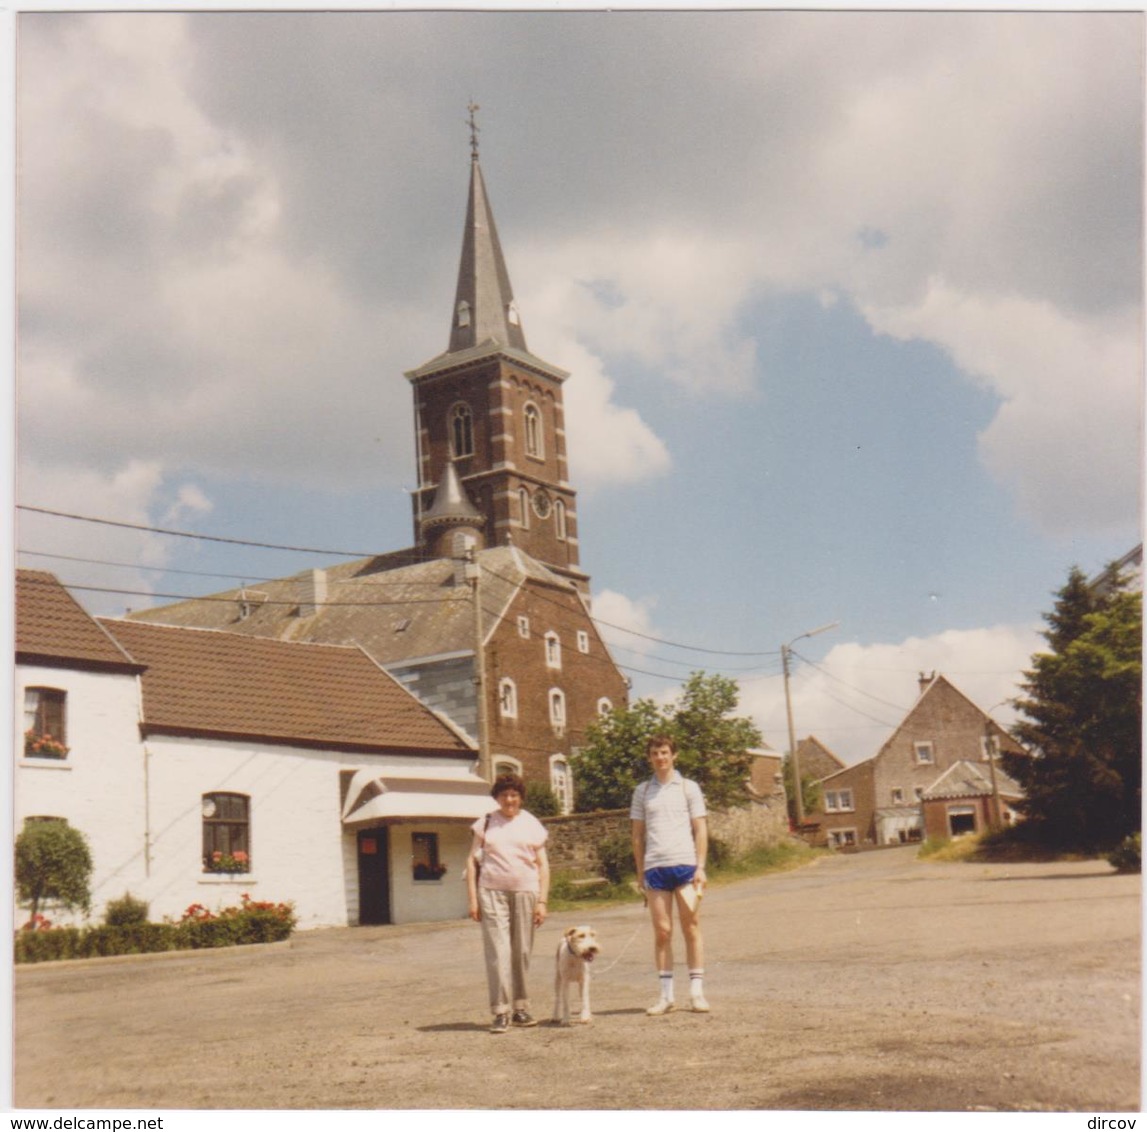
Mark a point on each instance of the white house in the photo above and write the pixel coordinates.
(203, 765)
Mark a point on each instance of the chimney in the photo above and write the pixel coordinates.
(924, 679)
(313, 592)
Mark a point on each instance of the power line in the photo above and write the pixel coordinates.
(191, 534)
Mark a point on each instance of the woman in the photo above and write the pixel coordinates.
(508, 896)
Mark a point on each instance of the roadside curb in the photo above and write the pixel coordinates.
(145, 956)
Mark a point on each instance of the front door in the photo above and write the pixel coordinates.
(373, 876)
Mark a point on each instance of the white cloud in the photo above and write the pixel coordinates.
(1068, 430)
(857, 695)
(625, 623)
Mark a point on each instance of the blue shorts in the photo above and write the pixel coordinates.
(669, 878)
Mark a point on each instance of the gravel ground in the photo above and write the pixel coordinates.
(867, 982)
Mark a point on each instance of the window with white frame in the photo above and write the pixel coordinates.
(560, 520)
(838, 801)
(226, 832)
(504, 764)
(557, 708)
(604, 706)
(561, 782)
(925, 752)
(45, 723)
(553, 650)
(841, 838)
(507, 698)
(582, 641)
(918, 791)
(532, 419)
(524, 627)
(897, 796)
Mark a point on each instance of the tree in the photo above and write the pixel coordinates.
(712, 745)
(1083, 705)
(53, 863)
(812, 792)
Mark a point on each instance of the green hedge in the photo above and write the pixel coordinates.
(254, 922)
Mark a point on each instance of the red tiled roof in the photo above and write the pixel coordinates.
(208, 682)
(52, 626)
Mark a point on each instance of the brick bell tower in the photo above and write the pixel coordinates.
(489, 416)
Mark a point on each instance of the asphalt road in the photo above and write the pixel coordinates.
(867, 982)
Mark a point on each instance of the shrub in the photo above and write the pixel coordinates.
(541, 801)
(53, 866)
(615, 858)
(126, 910)
(253, 922)
(1127, 857)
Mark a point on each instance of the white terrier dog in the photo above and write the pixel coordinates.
(577, 950)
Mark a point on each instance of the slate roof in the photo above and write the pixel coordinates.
(203, 682)
(970, 780)
(394, 614)
(53, 628)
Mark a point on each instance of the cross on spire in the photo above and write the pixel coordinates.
(474, 128)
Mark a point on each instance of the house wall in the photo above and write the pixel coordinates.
(300, 851)
(98, 788)
(860, 780)
(584, 678)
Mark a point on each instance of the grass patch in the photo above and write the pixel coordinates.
(955, 849)
(571, 892)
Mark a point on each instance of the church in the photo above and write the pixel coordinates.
(486, 619)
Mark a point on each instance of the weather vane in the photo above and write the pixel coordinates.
(472, 107)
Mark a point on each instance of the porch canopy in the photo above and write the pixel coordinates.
(373, 796)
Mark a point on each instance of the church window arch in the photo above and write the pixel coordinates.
(461, 430)
(524, 508)
(560, 519)
(532, 419)
(561, 782)
(557, 709)
(507, 698)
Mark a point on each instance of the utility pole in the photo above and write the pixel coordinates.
(786, 652)
(473, 572)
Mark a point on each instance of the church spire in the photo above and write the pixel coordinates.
(484, 307)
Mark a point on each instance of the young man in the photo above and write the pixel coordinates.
(670, 844)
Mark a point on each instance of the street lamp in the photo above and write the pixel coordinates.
(785, 651)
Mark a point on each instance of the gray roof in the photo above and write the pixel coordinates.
(970, 780)
(395, 614)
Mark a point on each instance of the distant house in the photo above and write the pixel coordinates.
(816, 760)
(202, 765)
(879, 801)
(963, 798)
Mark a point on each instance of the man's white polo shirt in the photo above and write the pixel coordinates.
(668, 812)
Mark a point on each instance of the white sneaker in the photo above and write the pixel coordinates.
(698, 1004)
(661, 1006)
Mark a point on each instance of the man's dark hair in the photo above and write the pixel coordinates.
(660, 741)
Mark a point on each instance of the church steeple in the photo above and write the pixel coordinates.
(484, 308)
(489, 419)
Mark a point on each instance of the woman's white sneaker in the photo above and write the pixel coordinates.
(661, 1006)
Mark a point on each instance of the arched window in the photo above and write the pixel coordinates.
(507, 698)
(461, 430)
(533, 423)
(561, 782)
(524, 508)
(604, 706)
(226, 833)
(504, 764)
(553, 650)
(560, 519)
(463, 313)
(558, 709)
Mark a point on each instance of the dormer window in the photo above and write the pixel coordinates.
(463, 313)
(461, 430)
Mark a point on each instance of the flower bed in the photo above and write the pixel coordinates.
(252, 922)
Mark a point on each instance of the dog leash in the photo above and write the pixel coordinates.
(623, 950)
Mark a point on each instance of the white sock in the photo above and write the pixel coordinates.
(666, 978)
(696, 986)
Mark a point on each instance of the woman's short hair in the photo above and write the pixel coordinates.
(656, 741)
(506, 782)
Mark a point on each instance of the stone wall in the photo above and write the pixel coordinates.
(575, 839)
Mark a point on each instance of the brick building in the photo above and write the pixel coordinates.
(879, 801)
(486, 618)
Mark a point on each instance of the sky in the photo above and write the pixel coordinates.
(851, 303)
